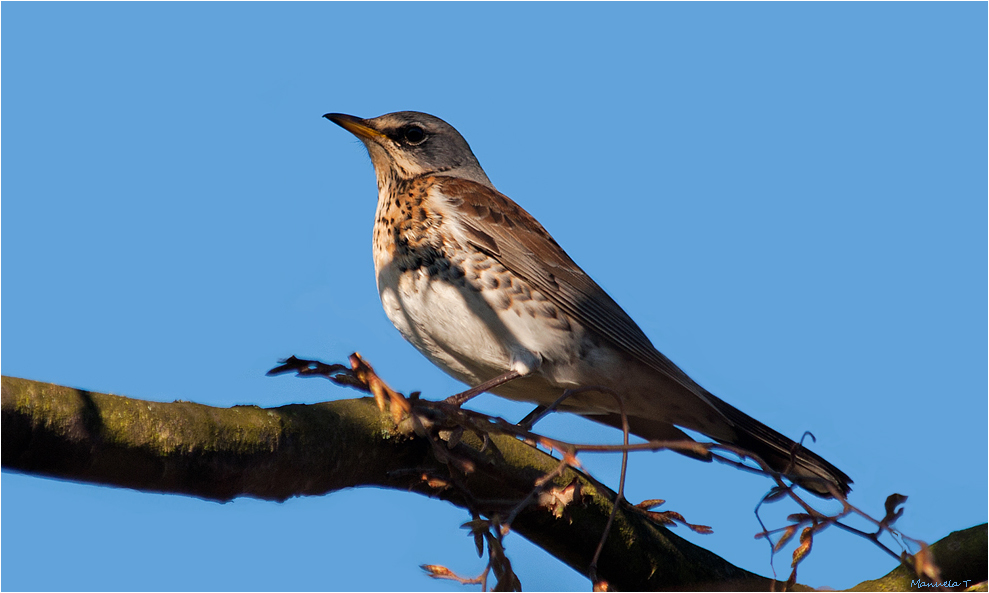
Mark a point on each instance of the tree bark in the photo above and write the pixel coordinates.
(295, 450)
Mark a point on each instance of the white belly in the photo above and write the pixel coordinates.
(473, 336)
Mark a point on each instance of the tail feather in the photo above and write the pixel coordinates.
(799, 464)
(796, 462)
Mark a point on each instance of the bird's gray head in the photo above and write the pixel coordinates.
(409, 144)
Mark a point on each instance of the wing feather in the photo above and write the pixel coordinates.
(496, 225)
(493, 223)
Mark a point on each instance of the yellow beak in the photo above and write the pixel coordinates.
(354, 125)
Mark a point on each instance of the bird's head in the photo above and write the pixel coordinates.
(408, 144)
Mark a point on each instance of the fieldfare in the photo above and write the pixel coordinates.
(480, 288)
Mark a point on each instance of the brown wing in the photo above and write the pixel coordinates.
(498, 226)
(501, 228)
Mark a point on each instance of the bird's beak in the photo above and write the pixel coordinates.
(354, 125)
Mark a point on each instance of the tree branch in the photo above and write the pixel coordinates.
(295, 450)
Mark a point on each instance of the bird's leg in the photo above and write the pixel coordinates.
(532, 417)
(536, 415)
(540, 412)
(461, 398)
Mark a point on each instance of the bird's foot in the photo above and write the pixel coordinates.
(461, 398)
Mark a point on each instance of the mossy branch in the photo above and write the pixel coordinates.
(296, 450)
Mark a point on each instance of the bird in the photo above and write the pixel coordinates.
(484, 292)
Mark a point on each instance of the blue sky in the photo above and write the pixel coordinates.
(790, 200)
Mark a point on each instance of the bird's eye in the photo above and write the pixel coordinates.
(414, 134)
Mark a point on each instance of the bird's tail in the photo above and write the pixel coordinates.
(793, 460)
(797, 463)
